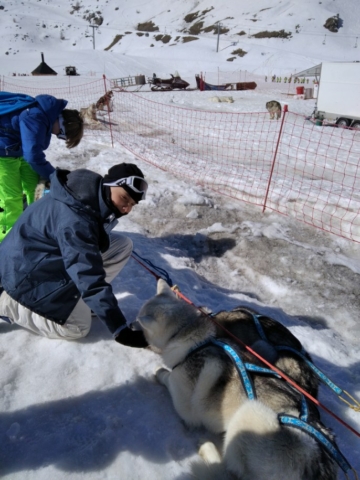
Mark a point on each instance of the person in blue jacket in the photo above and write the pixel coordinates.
(24, 135)
(58, 260)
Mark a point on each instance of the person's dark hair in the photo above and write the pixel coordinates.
(74, 127)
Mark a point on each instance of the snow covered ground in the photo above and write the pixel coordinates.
(93, 408)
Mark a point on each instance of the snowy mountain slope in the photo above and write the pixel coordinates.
(92, 409)
(62, 31)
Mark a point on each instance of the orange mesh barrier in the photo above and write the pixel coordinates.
(290, 166)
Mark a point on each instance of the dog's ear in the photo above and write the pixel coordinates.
(163, 287)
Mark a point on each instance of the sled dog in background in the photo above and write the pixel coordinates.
(88, 115)
(105, 101)
(207, 391)
(217, 99)
(42, 188)
(274, 108)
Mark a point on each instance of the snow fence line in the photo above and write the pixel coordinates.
(290, 166)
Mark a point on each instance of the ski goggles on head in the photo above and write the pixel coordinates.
(137, 184)
(61, 135)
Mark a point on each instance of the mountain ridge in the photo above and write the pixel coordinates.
(273, 35)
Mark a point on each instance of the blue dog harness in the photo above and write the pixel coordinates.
(302, 354)
(288, 420)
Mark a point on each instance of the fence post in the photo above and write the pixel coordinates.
(274, 159)
(108, 107)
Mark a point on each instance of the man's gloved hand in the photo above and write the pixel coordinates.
(131, 338)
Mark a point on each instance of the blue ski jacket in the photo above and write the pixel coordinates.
(52, 255)
(28, 133)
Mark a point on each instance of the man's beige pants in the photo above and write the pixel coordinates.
(79, 322)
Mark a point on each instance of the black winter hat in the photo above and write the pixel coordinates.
(124, 170)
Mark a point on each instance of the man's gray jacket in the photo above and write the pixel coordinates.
(52, 255)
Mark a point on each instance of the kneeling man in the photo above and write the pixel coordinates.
(58, 260)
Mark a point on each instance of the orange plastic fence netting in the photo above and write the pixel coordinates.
(314, 176)
(78, 92)
(290, 166)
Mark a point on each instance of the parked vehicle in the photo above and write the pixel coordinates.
(202, 85)
(160, 84)
(338, 98)
(71, 71)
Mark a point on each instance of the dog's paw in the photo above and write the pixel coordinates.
(209, 453)
(161, 375)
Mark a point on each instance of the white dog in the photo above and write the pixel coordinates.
(88, 114)
(221, 99)
(207, 391)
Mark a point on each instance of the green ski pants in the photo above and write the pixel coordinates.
(16, 178)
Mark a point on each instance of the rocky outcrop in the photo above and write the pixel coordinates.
(332, 23)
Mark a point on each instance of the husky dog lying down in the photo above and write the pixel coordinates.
(88, 115)
(217, 99)
(207, 391)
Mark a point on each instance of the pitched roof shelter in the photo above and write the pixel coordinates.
(43, 68)
(310, 72)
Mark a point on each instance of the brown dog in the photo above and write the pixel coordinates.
(104, 102)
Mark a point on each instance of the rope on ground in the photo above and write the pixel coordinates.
(165, 276)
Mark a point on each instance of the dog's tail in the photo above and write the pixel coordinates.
(257, 446)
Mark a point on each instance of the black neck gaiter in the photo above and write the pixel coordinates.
(109, 203)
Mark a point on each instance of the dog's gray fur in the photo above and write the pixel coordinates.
(206, 391)
(274, 108)
(240, 323)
